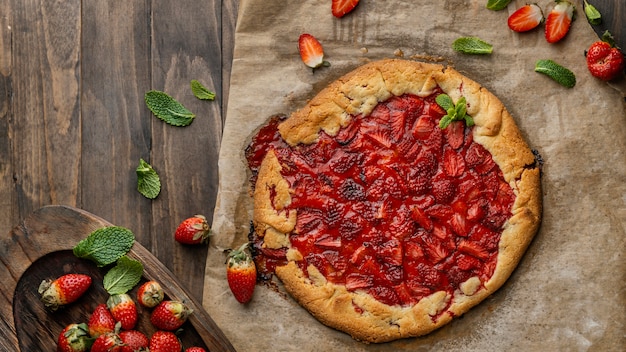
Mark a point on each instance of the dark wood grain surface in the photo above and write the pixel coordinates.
(73, 123)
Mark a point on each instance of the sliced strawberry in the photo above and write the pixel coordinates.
(526, 18)
(357, 281)
(559, 21)
(341, 8)
(421, 218)
(311, 51)
(453, 163)
(473, 249)
(455, 133)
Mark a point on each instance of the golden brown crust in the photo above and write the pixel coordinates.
(358, 92)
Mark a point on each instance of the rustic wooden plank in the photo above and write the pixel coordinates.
(115, 123)
(185, 46)
(229, 23)
(45, 123)
(613, 13)
(6, 114)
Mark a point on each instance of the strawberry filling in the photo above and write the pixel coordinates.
(392, 205)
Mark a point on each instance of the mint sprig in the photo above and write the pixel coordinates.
(148, 181)
(472, 46)
(106, 245)
(200, 91)
(593, 15)
(497, 5)
(454, 112)
(123, 276)
(168, 109)
(558, 73)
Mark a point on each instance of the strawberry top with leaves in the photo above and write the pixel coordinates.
(63, 290)
(150, 293)
(311, 51)
(170, 315)
(559, 21)
(74, 338)
(193, 230)
(526, 18)
(241, 274)
(123, 310)
(341, 8)
(604, 60)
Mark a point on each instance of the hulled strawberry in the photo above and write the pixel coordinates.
(133, 341)
(170, 315)
(526, 18)
(559, 21)
(63, 290)
(101, 321)
(311, 51)
(241, 274)
(604, 60)
(109, 342)
(341, 8)
(123, 310)
(74, 338)
(193, 230)
(150, 293)
(165, 341)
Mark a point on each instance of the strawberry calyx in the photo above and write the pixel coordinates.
(239, 255)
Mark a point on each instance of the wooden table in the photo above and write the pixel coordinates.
(73, 122)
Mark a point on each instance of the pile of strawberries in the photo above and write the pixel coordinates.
(112, 325)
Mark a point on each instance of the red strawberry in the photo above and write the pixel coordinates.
(526, 18)
(64, 290)
(123, 310)
(195, 349)
(165, 341)
(74, 338)
(150, 293)
(241, 274)
(342, 7)
(559, 21)
(473, 249)
(133, 340)
(311, 51)
(101, 321)
(170, 315)
(604, 60)
(109, 342)
(193, 230)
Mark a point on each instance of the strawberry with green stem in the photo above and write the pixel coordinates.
(604, 60)
(193, 230)
(109, 342)
(74, 338)
(241, 274)
(101, 321)
(64, 290)
(123, 310)
(170, 315)
(150, 293)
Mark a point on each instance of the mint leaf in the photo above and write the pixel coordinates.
(454, 112)
(200, 91)
(123, 276)
(472, 45)
(497, 5)
(168, 109)
(105, 245)
(593, 15)
(148, 181)
(560, 74)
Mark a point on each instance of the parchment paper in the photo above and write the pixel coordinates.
(569, 290)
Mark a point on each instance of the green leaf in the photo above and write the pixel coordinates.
(472, 46)
(105, 245)
(123, 276)
(560, 74)
(168, 109)
(593, 15)
(445, 102)
(200, 91)
(497, 5)
(148, 181)
(456, 112)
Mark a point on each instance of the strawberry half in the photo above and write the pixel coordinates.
(241, 274)
(526, 18)
(63, 290)
(311, 51)
(341, 8)
(559, 21)
(604, 60)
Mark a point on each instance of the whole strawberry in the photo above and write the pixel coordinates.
(604, 60)
(169, 315)
(63, 290)
(74, 338)
(109, 342)
(193, 230)
(123, 310)
(241, 274)
(165, 341)
(133, 341)
(150, 293)
(195, 349)
(101, 321)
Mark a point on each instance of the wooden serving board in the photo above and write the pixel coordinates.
(41, 248)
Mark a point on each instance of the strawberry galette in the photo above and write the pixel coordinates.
(399, 197)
